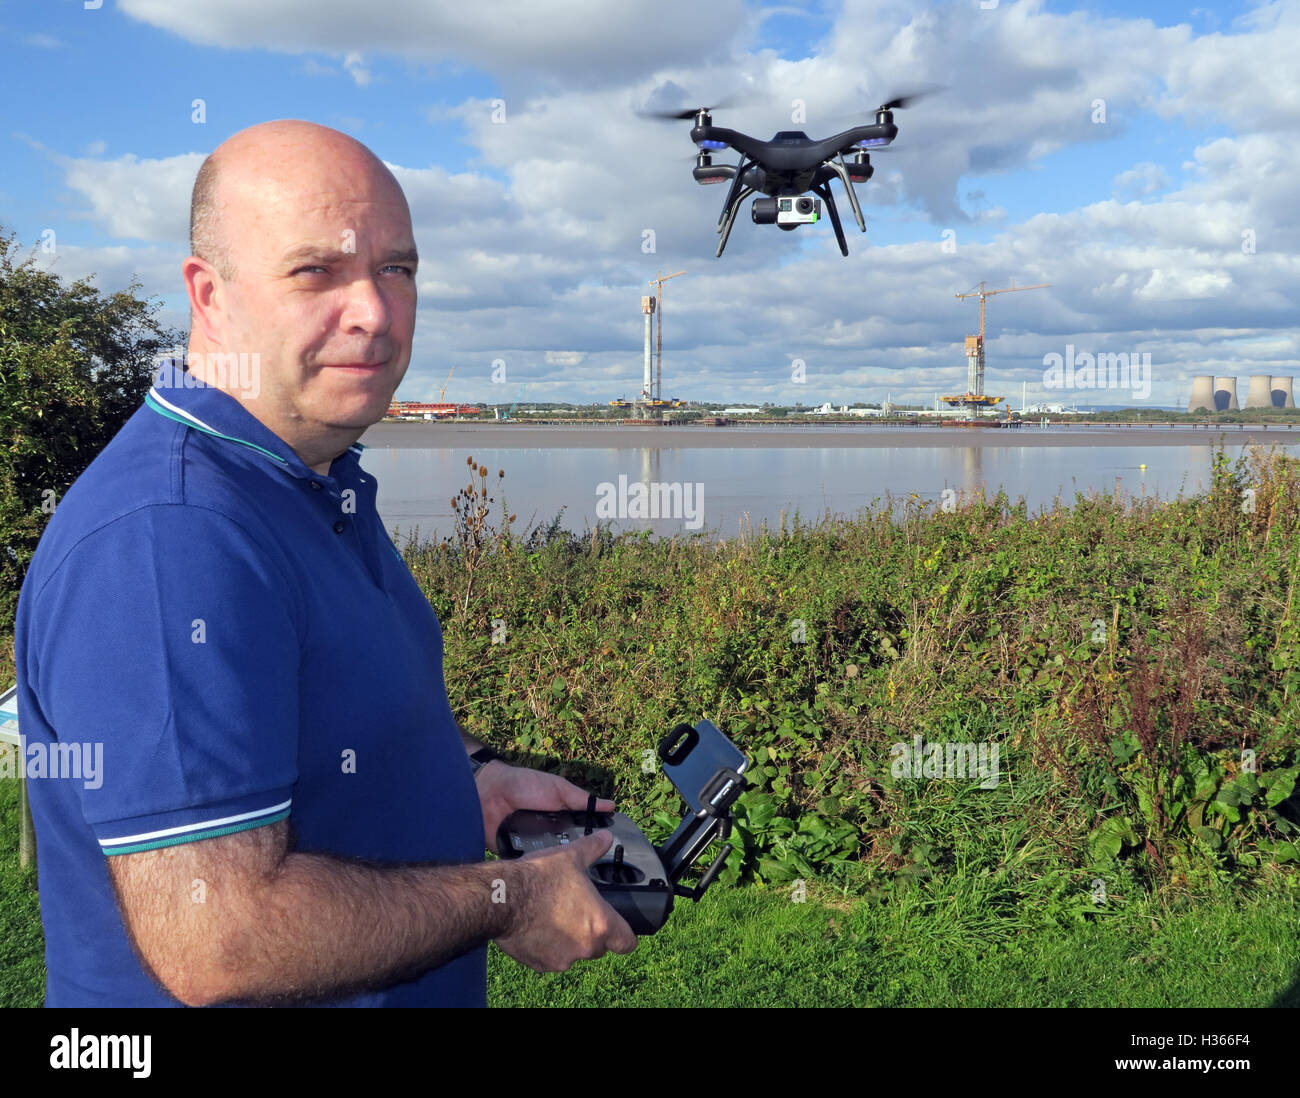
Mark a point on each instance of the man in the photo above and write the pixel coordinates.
(285, 810)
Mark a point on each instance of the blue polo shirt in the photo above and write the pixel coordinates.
(238, 641)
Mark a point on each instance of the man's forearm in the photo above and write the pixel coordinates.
(304, 926)
(328, 928)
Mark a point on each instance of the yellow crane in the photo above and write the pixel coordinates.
(974, 397)
(444, 384)
(657, 397)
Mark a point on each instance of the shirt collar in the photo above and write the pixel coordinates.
(182, 397)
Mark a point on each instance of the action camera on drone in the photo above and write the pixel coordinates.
(786, 211)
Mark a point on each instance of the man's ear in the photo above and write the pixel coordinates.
(206, 292)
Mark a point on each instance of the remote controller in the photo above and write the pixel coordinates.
(636, 878)
(630, 877)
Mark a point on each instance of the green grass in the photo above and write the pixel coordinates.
(22, 946)
(751, 946)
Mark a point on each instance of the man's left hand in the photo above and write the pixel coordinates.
(503, 789)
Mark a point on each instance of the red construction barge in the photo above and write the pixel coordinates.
(418, 409)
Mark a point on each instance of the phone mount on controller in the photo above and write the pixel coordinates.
(636, 878)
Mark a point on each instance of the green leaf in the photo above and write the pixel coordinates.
(814, 826)
(1280, 787)
(1106, 844)
(1228, 811)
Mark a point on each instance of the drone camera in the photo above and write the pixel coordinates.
(786, 210)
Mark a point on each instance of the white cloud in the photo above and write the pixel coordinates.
(581, 41)
(312, 67)
(134, 199)
(1183, 285)
(360, 76)
(1248, 78)
(1141, 180)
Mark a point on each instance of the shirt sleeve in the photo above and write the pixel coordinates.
(168, 647)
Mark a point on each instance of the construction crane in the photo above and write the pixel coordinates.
(974, 397)
(444, 384)
(657, 397)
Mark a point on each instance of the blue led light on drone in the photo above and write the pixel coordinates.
(712, 144)
(870, 141)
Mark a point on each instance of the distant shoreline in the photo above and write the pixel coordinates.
(462, 436)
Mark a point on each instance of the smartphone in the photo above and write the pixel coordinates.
(693, 759)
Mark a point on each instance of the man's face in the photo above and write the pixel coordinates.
(324, 291)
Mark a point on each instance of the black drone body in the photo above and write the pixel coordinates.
(787, 168)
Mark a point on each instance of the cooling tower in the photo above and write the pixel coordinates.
(1260, 392)
(1225, 394)
(1281, 394)
(1202, 393)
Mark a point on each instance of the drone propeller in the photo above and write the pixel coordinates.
(903, 101)
(899, 102)
(733, 100)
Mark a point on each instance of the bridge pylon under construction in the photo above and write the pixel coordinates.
(974, 399)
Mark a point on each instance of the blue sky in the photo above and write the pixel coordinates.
(536, 223)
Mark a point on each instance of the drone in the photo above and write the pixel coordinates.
(786, 168)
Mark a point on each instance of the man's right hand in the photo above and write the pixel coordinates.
(563, 918)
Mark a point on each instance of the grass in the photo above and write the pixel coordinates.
(22, 946)
(751, 946)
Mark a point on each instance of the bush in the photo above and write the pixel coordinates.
(1136, 663)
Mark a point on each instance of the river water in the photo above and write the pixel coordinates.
(687, 489)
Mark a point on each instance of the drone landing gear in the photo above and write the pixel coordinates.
(729, 218)
(736, 194)
(824, 191)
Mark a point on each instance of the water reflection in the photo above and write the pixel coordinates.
(416, 486)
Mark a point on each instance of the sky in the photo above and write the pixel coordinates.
(1141, 158)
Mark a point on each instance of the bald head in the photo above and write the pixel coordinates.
(304, 263)
(271, 154)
